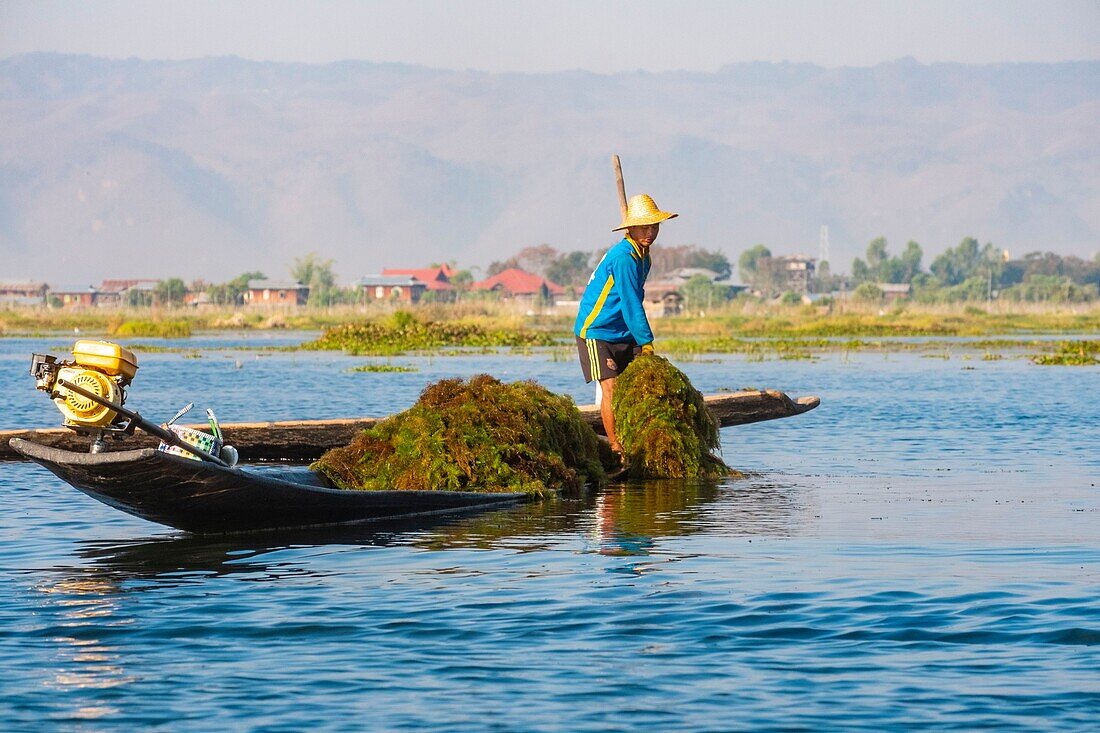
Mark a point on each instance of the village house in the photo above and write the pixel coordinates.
(893, 291)
(517, 284)
(276, 293)
(23, 293)
(437, 280)
(114, 293)
(666, 294)
(403, 288)
(200, 299)
(794, 272)
(74, 296)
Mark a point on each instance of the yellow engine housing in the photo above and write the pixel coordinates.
(111, 359)
(79, 411)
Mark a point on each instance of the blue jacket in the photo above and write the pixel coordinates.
(611, 307)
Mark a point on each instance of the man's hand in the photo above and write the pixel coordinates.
(647, 350)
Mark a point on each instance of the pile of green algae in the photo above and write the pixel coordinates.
(663, 423)
(485, 435)
(473, 435)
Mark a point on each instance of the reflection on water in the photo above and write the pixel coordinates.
(83, 606)
(626, 519)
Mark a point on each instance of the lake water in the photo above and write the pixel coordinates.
(922, 551)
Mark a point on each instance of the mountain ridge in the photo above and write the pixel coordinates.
(209, 167)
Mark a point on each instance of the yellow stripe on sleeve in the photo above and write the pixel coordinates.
(599, 304)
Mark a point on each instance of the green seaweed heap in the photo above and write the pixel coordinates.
(663, 423)
(474, 435)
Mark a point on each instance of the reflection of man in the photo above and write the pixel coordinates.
(612, 327)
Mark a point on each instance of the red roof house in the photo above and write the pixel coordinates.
(435, 278)
(517, 283)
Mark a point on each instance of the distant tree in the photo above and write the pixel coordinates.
(861, 272)
(238, 286)
(877, 256)
(311, 267)
(170, 291)
(1080, 271)
(317, 273)
(748, 263)
(232, 292)
(462, 280)
(700, 292)
(882, 268)
(139, 298)
(570, 269)
(667, 259)
(824, 280)
(531, 259)
(965, 261)
(910, 261)
(1051, 288)
(868, 292)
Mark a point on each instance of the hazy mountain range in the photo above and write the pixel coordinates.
(125, 168)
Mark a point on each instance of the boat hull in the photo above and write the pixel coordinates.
(204, 498)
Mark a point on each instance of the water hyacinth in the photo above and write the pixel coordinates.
(403, 332)
(663, 423)
(473, 435)
(1071, 353)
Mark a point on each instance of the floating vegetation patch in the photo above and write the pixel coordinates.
(1070, 353)
(161, 329)
(663, 423)
(473, 435)
(403, 332)
(383, 369)
(761, 349)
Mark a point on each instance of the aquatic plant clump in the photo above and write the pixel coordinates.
(1071, 353)
(383, 369)
(475, 435)
(178, 328)
(403, 332)
(663, 423)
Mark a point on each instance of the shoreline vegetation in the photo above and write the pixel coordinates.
(757, 330)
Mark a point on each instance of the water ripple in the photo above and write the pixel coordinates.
(888, 564)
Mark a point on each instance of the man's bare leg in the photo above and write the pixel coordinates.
(608, 389)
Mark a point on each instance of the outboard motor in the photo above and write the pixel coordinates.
(90, 392)
(99, 367)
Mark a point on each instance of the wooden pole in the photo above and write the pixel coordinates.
(622, 187)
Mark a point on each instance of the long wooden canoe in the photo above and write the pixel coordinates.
(300, 441)
(205, 498)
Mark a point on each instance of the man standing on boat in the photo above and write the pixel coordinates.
(612, 327)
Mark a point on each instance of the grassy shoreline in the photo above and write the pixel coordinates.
(759, 331)
(740, 319)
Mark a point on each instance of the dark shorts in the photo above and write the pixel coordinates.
(602, 360)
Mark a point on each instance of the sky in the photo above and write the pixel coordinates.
(602, 37)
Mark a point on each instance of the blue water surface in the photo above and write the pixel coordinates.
(922, 551)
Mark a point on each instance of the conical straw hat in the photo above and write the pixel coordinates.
(642, 211)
